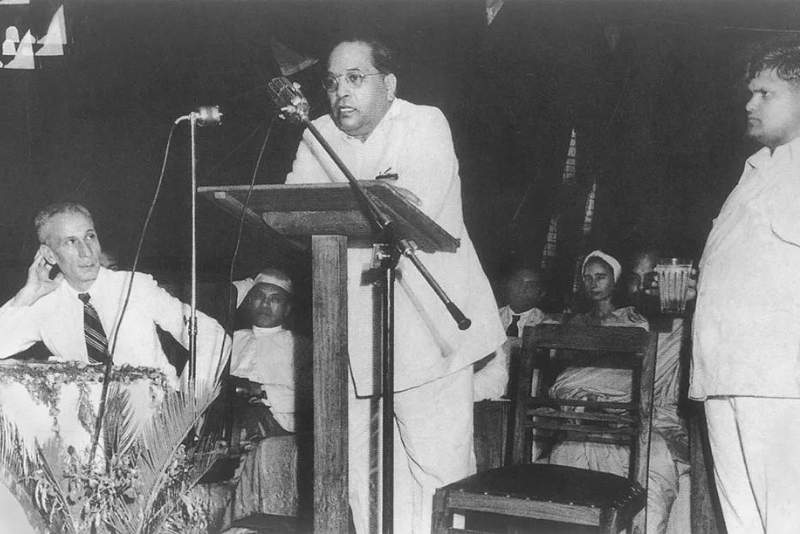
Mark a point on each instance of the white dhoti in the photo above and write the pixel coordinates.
(755, 445)
(433, 447)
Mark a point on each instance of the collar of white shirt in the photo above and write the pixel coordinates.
(787, 152)
(262, 332)
(96, 286)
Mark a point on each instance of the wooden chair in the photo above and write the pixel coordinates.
(558, 493)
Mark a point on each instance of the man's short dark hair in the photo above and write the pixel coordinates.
(782, 56)
(52, 210)
(383, 57)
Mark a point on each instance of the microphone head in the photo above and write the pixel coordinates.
(288, 99)
(206, 115)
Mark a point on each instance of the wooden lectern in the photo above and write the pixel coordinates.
(330, 215)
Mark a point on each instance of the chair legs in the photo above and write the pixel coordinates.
(440, 520)
(612, 522)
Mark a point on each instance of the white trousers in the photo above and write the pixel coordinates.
(665, 479)
(755, 443)
(432, 447)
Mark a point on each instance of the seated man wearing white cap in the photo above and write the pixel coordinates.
(277, 363)
(273, 358)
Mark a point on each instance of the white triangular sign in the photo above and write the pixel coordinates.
(56, 37)
(24, 58)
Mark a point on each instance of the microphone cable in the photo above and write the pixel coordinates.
(243, 214)
(109, 361)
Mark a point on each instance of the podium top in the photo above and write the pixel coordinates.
(329, 209)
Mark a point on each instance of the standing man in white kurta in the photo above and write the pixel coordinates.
(375, 133)
(746, 363)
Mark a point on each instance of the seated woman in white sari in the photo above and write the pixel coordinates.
(600, 275)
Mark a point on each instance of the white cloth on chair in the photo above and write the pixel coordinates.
(668, 440)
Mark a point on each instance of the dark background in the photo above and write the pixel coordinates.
(658, 116)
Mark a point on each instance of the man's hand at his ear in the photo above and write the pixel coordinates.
(38, 283)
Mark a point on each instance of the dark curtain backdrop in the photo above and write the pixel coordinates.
(659, 117)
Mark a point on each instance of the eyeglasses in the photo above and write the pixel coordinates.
(354, 78)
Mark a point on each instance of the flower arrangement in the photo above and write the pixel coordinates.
(142, 480)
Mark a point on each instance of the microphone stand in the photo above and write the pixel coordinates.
(389, 248)
(205, 115)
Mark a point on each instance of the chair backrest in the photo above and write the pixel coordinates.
(547, 350)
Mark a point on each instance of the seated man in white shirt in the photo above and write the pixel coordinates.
(275, 360)
(273, 367)
(75, 306)
(524, 292)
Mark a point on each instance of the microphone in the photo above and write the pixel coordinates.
(204, 116)
(288, 99)
(207, 115)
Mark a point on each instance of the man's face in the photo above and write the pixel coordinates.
(358, 110)
(525, 290)
(773, 111)
(643, 265)
(267, 305)
(598, 280)
(70, 241)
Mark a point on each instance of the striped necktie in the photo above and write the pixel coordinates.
(93, 333)
(513, 328)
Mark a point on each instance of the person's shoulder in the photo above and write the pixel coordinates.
(124, 276)
(419, 112)
(630, 316)
(533, 312)
(241, 336)
(116, 281)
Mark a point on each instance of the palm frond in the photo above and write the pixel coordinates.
(178, 414)
(119, 430)
(176, 500)
(42, 492)
(13, 454)
(15, 468)
(60, 507)
(122, 520)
